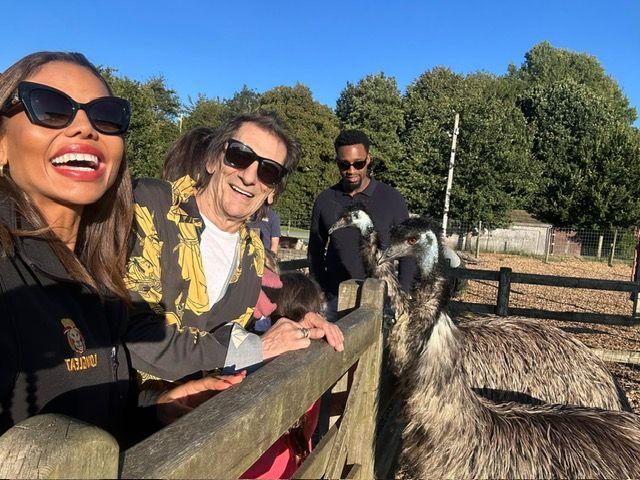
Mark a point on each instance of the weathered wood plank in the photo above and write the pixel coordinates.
(291, 265)
(583, 317)
(574, 282)
(355, 440)
(547, 280)
(348, 296)
(504, 288)
(56, 446)
(316, 463)
(244, 421)
(629, 357)
(362, 438)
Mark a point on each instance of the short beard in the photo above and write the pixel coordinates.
(350, 187)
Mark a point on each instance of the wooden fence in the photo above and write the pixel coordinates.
(221, 440)
(225, 435)
(505, 277)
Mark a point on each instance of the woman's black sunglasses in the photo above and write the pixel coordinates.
(239, 155)
(51, 108)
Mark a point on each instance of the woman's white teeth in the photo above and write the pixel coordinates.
(81, 161)
(246, 194)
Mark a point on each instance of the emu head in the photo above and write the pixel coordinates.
(419, 238)
(354, 216)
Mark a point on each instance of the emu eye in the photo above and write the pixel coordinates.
(412, 240)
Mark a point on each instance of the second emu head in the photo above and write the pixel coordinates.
(420, 238)
(354, 216)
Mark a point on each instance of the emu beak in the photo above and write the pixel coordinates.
(387, 256)
(341, 223)
(394, 251)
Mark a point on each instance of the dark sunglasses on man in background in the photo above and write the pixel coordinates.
(49, 107)
(241, 156)
(344, 165)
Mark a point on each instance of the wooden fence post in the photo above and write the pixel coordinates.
(635, 311)
(600, 240)
(550, 241)
(56, 446)
(613, 247)
(356, 447)
(504, 287)
(478, 240)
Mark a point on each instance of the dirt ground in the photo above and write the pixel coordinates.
(565, 299)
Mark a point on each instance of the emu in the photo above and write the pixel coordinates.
(505, 359)
(371, 253)
(453, 433)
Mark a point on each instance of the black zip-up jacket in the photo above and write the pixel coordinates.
(59, 342)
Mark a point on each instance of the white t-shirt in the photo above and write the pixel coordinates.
(219, 258)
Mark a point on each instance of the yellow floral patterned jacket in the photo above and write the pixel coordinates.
(172, 332)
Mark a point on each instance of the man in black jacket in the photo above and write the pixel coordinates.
(340, 259)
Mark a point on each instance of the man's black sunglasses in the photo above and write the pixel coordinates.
(241, 156)
(51, 108)
(358, 164)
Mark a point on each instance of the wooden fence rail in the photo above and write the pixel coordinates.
(225, 435)
(505, 277)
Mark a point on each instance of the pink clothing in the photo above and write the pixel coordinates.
(279, 461)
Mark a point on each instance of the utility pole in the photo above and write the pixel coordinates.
(452, 160)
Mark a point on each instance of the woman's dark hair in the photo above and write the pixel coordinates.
(299, 294)
(186, 158)
(100, 252)
(190, 148)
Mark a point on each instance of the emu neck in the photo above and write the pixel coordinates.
(439, 352)
(369, 249)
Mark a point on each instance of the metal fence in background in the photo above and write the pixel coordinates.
(545, 240)
(539, 240)
(294, 221)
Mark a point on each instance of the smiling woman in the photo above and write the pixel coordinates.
(64, 210)
(65, 216)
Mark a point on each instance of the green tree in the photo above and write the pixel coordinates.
(493, 171)
(204, 112)
(374, 105)
(547, 65)
(315, 126)
(244, 101)
(155, 109)
(429, 106)
(590, 157)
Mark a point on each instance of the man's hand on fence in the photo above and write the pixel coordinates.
(180, 400)
(332, 332)
(287, 335)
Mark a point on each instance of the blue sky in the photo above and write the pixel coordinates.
(215, 47)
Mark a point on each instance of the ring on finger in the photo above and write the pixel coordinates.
(305, 332)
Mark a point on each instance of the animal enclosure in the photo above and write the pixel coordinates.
(616, 344)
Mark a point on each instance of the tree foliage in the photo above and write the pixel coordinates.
(204, 112)
(315, 126)
(374, 105)
(590, 157)
(554, 135)
(547, 65)
(155, 109)
(493, 170)
(583, 138)
(243, 101)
